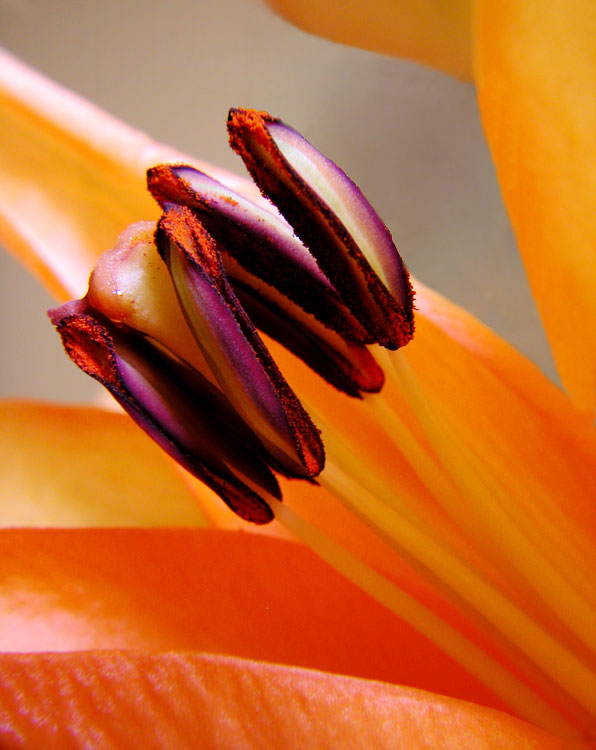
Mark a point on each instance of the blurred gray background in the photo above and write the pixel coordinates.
(410, 137)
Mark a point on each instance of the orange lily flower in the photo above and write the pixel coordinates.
(442, 499)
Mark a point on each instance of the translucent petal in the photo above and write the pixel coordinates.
(68, 466)
(71, 177)
(537, 92)
(434, 33)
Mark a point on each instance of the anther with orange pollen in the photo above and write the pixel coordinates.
(164, 328)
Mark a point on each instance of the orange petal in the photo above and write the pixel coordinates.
(436, 34)
(537, 93)
(67, 466)
(476, 342)
(520, 440)
(132, 700)
(71, 178)
(207, 590)
(522, 425)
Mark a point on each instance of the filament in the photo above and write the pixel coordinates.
(544, 577)
(552, 658)
(488, 671)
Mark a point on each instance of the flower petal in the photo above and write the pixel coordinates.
(130, 700)
(520, 434)
(537, 93)
(436, 34)
(513, 396)
(69, 466)
(71, 177)
(517, 433)
(218, 591)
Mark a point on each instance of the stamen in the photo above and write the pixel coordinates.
(174, 404)
(358, 258)
(334, 220)
(131, 286)
(395, 520)
(276, 279)
(348, 366)
(418, 456)
(422, 510)
(258, 240)
(235, 353)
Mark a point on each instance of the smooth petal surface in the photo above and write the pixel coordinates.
(434, 33)
(535, 450)
(68, 466)
(71, 177)
(185, 700)
(537, 92)
(223, 592)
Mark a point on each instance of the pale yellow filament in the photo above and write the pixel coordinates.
(397, 524)
(552, 658)
(424, 464)
(337, 447)
(543, 576)
(522, 557)
(505, 685)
